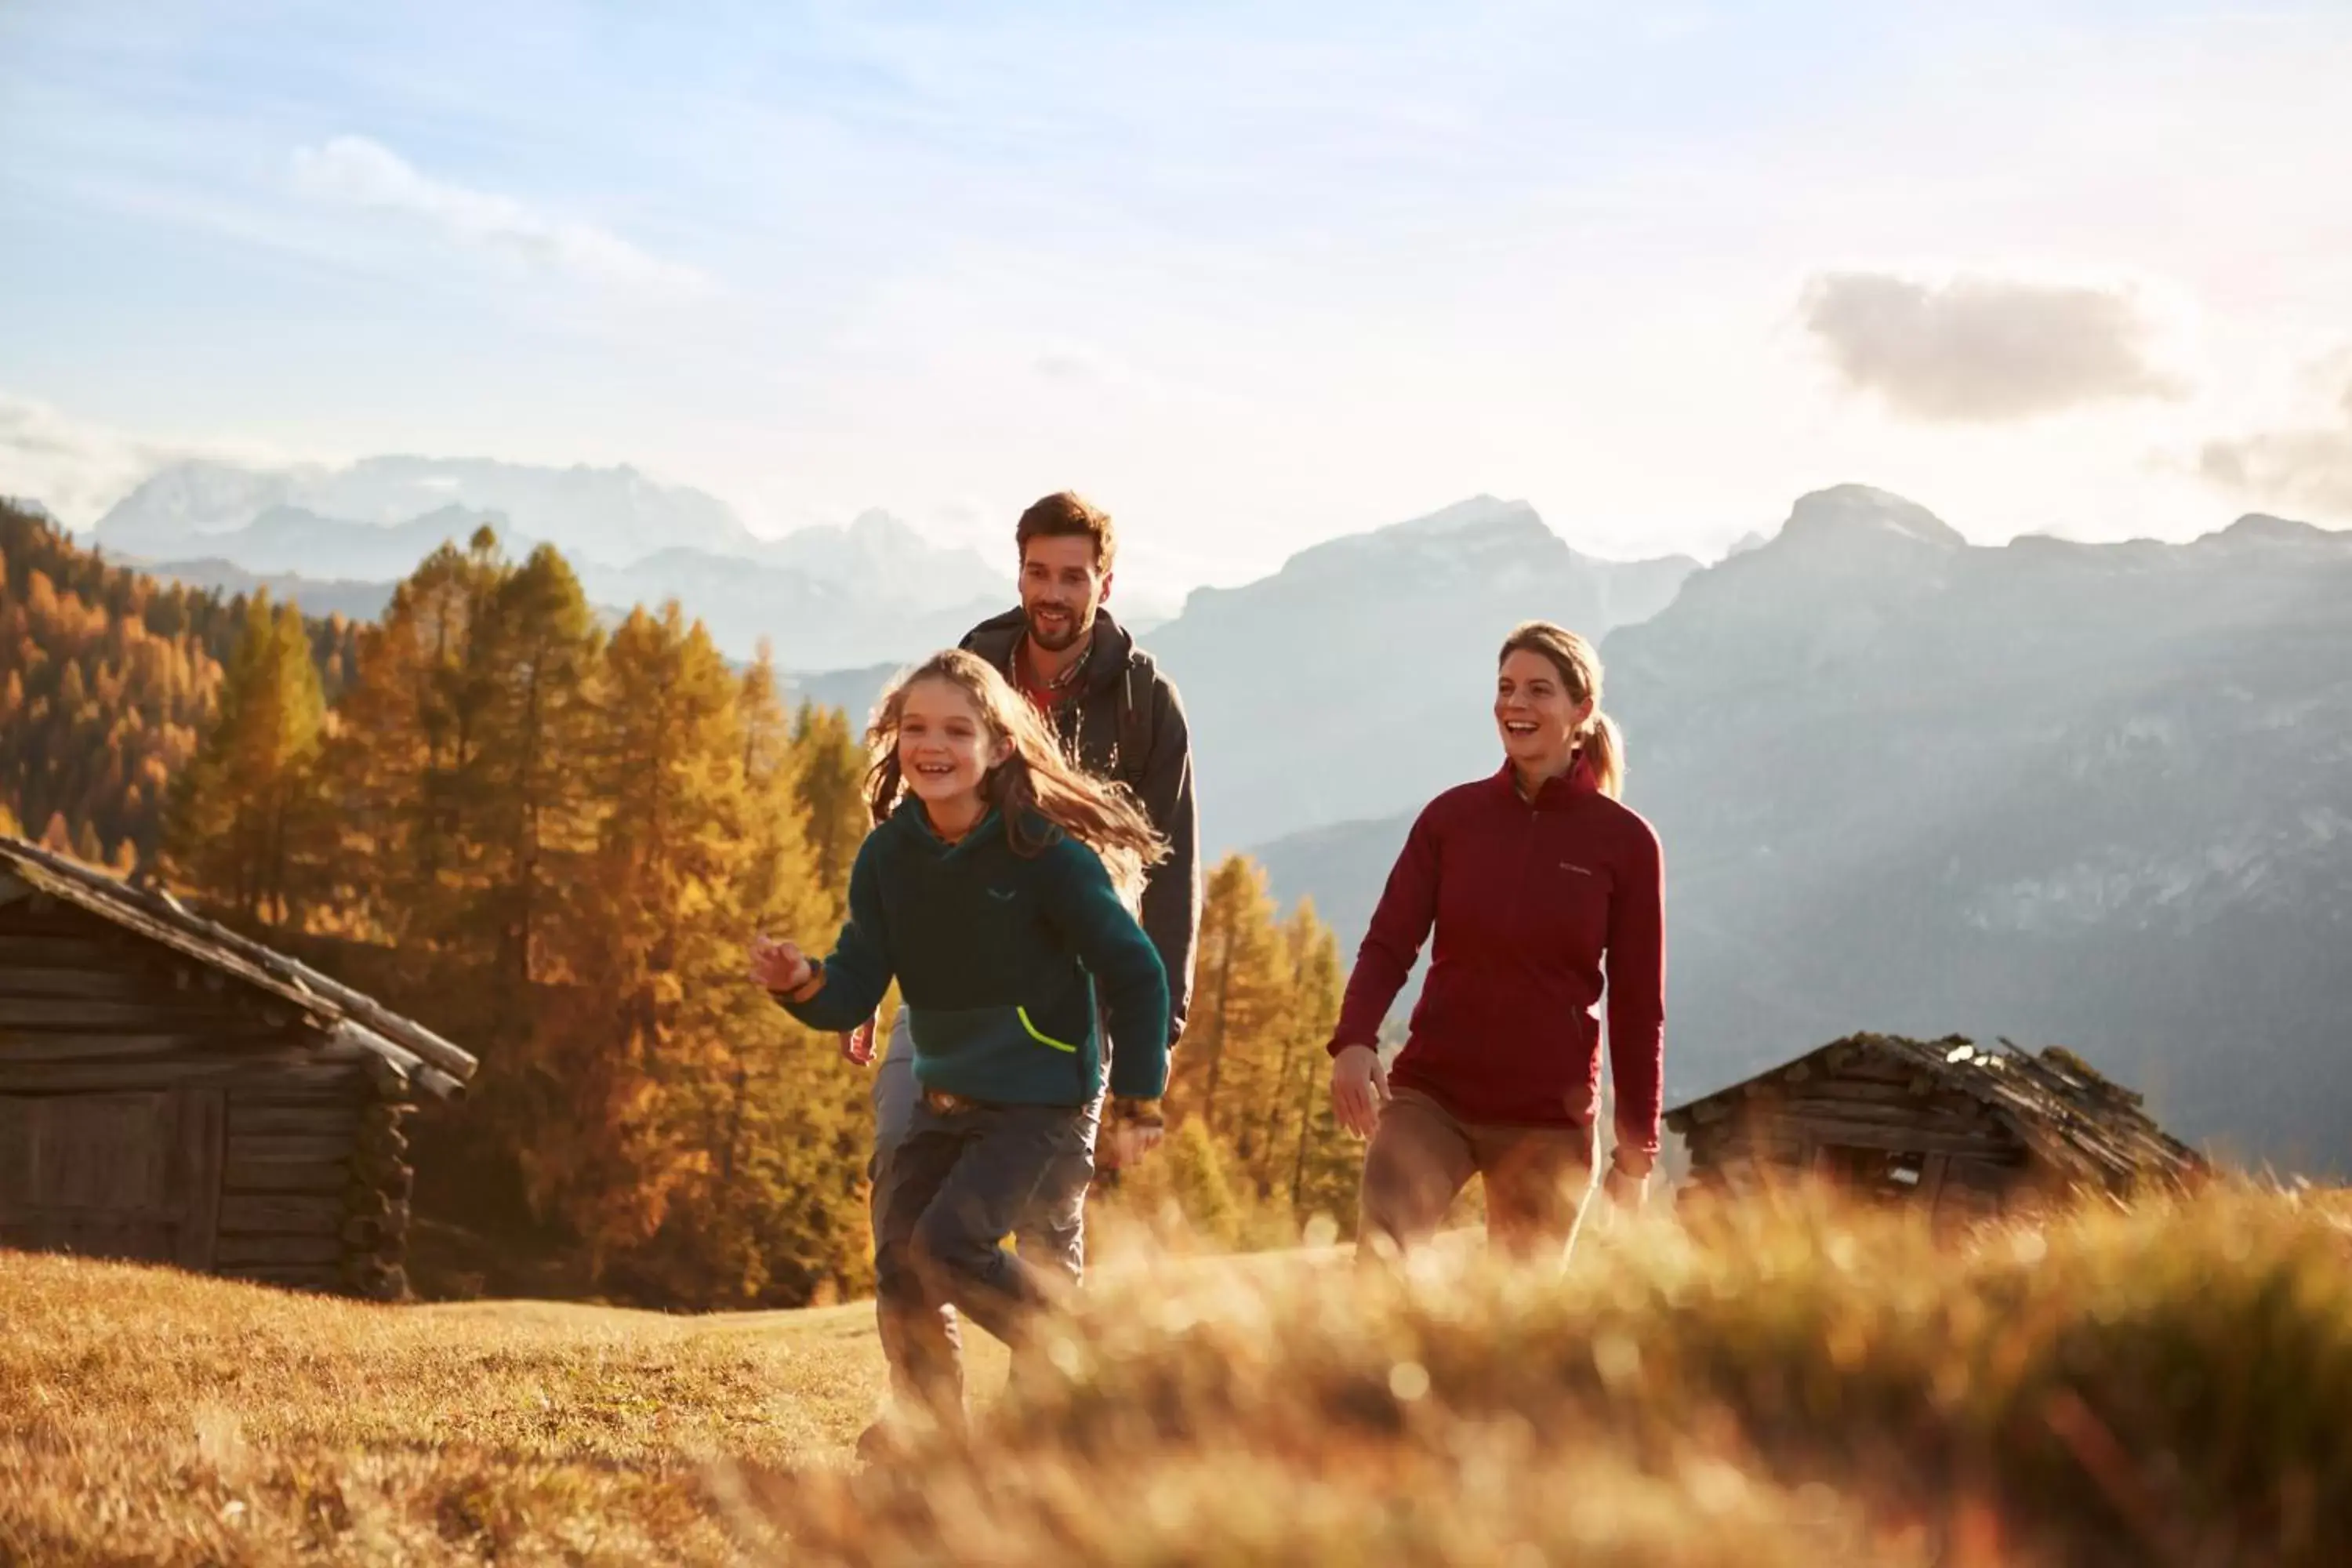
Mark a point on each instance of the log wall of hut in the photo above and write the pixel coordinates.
(153, 1108)
(1875, 1125)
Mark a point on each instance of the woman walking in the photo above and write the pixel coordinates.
(990, 890)
(1533, 880)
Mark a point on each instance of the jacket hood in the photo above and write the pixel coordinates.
(1112, 648)
(912, 825)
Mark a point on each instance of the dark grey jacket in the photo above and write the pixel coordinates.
(1123, 706)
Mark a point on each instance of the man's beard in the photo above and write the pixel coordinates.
(1075, 629)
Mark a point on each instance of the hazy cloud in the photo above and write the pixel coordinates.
(2309, 468)
(78, 469)
(361, 173)
(1980, 349)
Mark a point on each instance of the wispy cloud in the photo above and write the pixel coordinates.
(357, 172)
(2311, 467)
(78, 469)
(1981, 349)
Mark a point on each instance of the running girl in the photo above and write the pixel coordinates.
(991, 891)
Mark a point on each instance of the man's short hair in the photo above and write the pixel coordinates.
(1065, 514)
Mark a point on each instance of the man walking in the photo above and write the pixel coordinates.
(1120, 719)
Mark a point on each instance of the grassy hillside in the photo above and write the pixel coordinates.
(2163, 1386)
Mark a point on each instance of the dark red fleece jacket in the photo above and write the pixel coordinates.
(1527, 897)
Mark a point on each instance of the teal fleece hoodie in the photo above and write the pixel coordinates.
(998, 956)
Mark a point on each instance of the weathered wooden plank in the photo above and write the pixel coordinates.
(106, 1151)
(1879, 1091)
(289, 1146)
(108, 1234)
(1990, 1173)
(159, 1213)
(1783, 1150)
(120, 982)
(330, 1117)
(59, 950)
(1898, 1139)
(1952, 1118)
(89, 1013)
(278, 1068)
(15, 1046)
(285, 1176)
(347, 1096)
(1983, 1194)
(234, 1250)
(202, 1115)
(36, 914)
(281, 1214)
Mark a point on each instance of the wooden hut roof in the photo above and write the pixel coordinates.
(2054, 1103)
(339, 1013)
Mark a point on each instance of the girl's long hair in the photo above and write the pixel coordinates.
(1579, 663)
(1037, 780)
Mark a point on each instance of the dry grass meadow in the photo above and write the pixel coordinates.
(1801, 1386)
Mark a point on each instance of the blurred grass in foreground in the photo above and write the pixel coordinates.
(1803, 1384)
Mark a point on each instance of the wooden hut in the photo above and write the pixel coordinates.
(174, 1091)
(1965, 1132)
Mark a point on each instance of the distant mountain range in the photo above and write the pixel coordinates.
(610, 516)
(353, 601)
(2086, 795)
(339, 538)
(1360, 676)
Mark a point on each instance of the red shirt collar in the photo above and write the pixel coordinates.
(1557, 793)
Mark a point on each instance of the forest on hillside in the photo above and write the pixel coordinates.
(550, 840)
(106, 679)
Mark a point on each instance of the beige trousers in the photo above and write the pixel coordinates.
(1422, 1156)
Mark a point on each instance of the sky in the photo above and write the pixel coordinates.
(1249, 275)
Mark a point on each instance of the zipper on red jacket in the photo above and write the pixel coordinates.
(1527, 859)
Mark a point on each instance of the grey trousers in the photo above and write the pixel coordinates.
(1052, 1233)
(1047, 1218)
(957, 1182)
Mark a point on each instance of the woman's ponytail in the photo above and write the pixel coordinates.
(1604, 750)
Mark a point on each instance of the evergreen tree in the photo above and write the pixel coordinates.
(241, 808)
(535, 665)
(1324, 1158)
(1222, 1067)
(829, 785)
(413, 827)
(653, 966)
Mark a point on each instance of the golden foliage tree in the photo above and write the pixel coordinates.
(108, 681)
(247, 802)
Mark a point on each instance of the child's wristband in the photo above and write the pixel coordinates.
(807, 988)
(1133, 1110)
